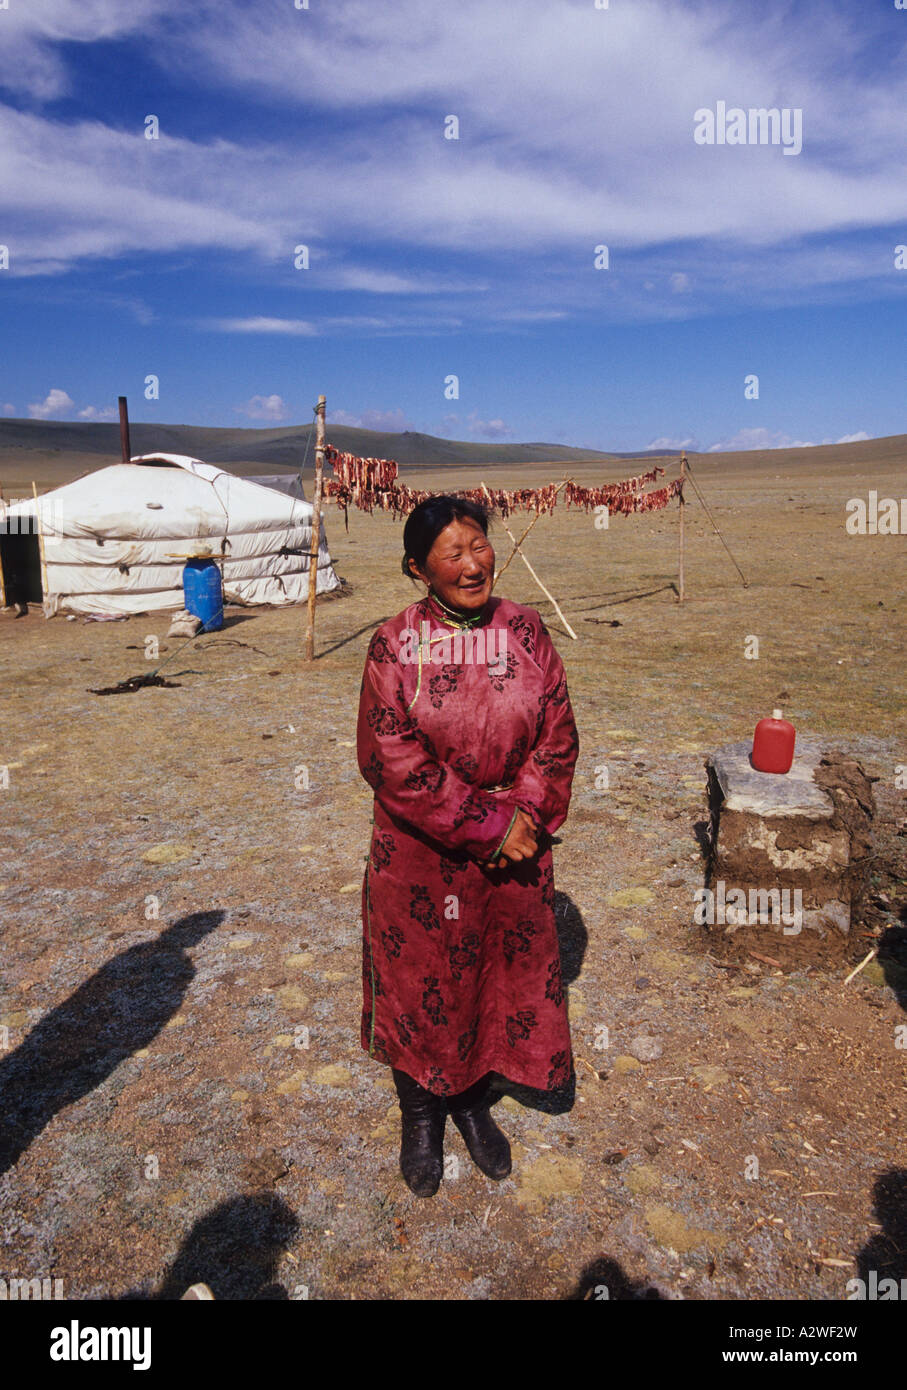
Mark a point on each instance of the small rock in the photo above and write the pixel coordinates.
(625, 1064)
(646, 1048)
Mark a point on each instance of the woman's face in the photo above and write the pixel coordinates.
(460, 565)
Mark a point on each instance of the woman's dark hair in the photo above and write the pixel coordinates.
(427, 520)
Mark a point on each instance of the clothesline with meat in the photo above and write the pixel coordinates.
(367, 483)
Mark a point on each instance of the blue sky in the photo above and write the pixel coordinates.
(431, 257)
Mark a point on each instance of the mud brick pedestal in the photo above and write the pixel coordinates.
(807, 829)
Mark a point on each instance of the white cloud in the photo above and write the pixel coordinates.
(454, 427)
(665, 442)
(292, 327)
(54, 402)
(91, 412)
(526, 181)
(525, 171)
(758, 437)
(265, 408)
(367, 280)
(762, 438)
(29, 60)
(488, 429)
(393, 421)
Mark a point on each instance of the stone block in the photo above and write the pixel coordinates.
(796, 843)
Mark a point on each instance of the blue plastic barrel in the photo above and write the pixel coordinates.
(204, 591)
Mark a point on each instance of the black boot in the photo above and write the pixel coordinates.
(488, 1146)
(423, 1117)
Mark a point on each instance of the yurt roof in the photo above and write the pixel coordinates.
(162, 495)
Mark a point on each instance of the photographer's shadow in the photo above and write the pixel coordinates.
(76, 1046)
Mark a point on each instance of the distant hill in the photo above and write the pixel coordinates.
(285, 445)
(53, 452)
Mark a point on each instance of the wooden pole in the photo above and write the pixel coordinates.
(44, 594)
(4, 527)
(525, 533)
(549, 596)
(320, 412)
(125, 447)
(680, 584)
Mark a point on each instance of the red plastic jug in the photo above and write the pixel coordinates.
(773, 744)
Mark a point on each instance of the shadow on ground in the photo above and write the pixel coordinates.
(604, 1279)
(235, 1249)
(572, 942)
(76, 1046)
(886, 1252)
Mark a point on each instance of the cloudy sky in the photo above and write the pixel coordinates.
(580, 126)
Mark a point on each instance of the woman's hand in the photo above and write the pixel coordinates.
(521, 843)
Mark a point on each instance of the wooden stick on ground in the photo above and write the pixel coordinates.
(549, 596)
(862, 965)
